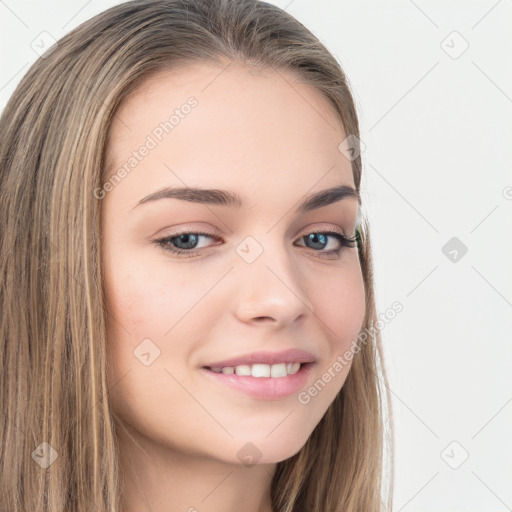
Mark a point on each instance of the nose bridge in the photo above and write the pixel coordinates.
(270, 284)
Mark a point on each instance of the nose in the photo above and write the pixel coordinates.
(271, 290)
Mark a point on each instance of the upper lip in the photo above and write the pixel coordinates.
(265, 357)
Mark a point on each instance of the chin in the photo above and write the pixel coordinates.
(265, 451)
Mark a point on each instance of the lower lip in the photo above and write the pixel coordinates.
(267, 388)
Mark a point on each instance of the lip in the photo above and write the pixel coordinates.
(265, 357)
(264, 388)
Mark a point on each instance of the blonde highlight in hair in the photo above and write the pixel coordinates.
(53, 154)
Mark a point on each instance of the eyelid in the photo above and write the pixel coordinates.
(187, 229)
(325, 227)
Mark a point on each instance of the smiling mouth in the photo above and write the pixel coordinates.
(264, 382)
(276, 371)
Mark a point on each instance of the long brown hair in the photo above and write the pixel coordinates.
(53, 139)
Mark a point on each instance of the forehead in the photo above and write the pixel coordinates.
(247, 127)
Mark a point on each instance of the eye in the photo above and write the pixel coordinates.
(186, 243)
(321, 238)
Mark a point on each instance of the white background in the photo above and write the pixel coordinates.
(434, 121)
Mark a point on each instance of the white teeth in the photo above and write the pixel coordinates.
(260, 370)
(243, 369)
(278, 370)
(293, 368)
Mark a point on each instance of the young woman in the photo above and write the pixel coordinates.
(188, 317)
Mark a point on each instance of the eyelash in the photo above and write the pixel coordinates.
(165, 243)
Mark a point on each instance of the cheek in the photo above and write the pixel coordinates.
(144, 304)
(146, 300)
(341, 307)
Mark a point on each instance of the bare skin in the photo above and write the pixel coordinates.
(254, 134)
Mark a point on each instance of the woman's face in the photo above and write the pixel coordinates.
(254, 281)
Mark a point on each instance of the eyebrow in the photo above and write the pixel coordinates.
(233, 200)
